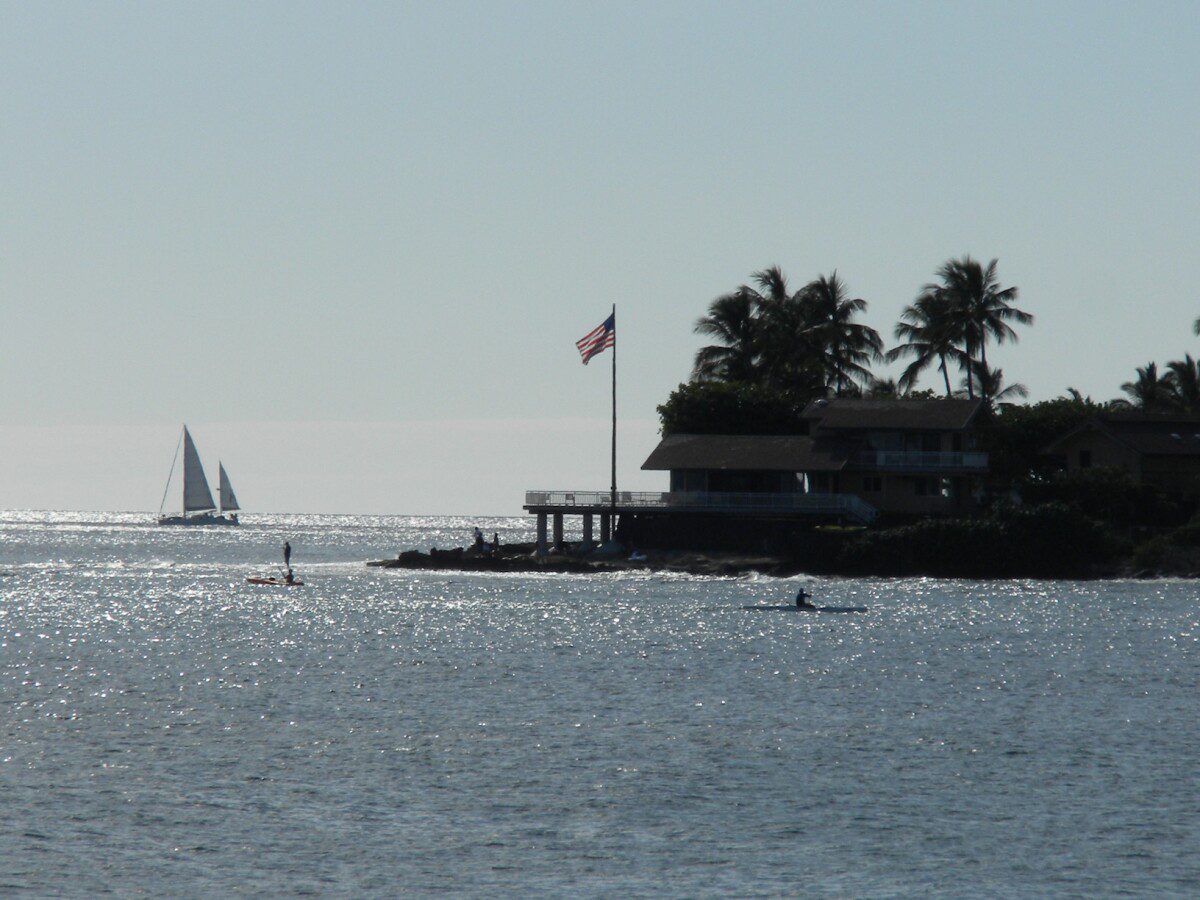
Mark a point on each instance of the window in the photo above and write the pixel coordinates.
(929, 487)
(688, 480)
(1085, 459)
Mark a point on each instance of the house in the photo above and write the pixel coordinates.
(857, 459)
(1153, 448)
(901, 457)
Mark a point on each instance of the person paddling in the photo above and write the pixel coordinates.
(287, 554)
(802, 598)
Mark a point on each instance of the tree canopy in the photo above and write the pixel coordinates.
(713, 407)
(805, 343)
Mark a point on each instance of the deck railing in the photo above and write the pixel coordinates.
(926, 460)
(846, 505)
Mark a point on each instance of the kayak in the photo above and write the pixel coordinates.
(823, 609)
(278, 582)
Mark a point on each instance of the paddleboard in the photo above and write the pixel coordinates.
(278, 582)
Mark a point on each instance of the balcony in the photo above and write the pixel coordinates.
(922, 460)
(838, 505)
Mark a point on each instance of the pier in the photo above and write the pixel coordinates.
(551, 506)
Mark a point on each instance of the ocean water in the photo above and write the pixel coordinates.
(168, 729)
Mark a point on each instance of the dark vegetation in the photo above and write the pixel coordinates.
(1176, 552)
(787, 347)
(1016, 434)
(775, 349)
(1053, 540)
(1111, 496)
(719, 407)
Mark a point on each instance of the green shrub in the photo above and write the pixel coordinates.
(1111, 496)
(1048, 541)
(1174, 551)
(1151, 554)
(710, 407)
(1016, 435)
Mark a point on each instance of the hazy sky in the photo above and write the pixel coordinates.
(352, 245)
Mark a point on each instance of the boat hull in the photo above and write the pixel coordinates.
(202, 519)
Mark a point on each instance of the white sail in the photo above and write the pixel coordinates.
(227, 496)
(196, 495)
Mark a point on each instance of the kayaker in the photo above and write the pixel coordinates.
(802, 598)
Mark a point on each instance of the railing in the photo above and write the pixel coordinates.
(928, 460)
(713, 501)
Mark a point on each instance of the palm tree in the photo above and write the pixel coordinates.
(927, 331)
(1149, 390)
(846, 347)
(732, 320)
(805, 343)
(1077, 396)
(883, 387)
(756, 330)
(989, 384)
(1184, 376)
(790, 359)
(772, 285)
(978, 307)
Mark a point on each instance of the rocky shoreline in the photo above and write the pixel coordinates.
(521, 558)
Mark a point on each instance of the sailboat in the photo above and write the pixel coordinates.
(198, 507)
(226, 498)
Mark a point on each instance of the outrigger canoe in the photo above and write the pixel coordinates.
(821, 609)
(277, 582)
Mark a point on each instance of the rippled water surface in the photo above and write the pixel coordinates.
(167, 728)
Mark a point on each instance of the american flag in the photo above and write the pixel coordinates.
(598, 339)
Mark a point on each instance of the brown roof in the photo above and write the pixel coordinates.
(1146, 433)
(949, 414)
(748, 452)
(1150, 420)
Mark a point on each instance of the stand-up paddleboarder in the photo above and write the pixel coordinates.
(287, 555)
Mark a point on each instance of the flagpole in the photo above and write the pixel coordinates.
(614, 411)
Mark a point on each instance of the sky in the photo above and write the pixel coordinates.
(353, 245)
